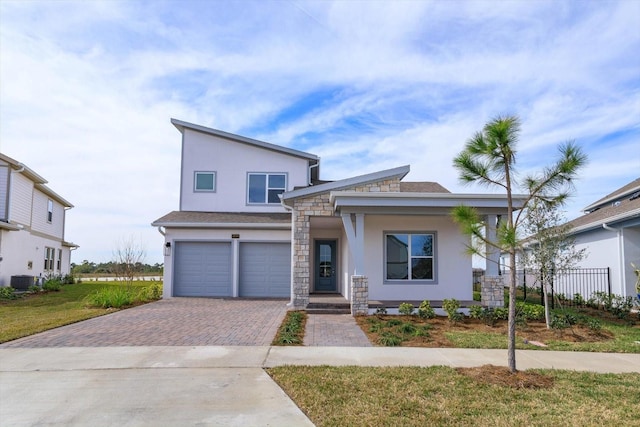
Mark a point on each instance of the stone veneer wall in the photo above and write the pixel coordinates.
(492, 291)
(318, 205)
(359, 295)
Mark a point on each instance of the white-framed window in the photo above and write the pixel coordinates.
(49, 256)
(410, 256)
(59, 260)
(264, 188)
(204, 181)
(49, 210)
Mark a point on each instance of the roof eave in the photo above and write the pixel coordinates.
(246, 225)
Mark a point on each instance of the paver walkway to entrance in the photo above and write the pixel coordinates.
(171, 322)
(338, 330)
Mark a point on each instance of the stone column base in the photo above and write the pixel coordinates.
(492, 291)
(359, 295)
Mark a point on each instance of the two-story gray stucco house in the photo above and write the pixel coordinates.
(255, 220)
(32, 225)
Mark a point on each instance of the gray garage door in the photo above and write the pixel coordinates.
(265, 269)
(202, 269)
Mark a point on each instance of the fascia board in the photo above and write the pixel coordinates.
(611, 220)
(611, 199)
(49, 192)
(446, 200)
(217, 225)
(400, 172)
(181, 125)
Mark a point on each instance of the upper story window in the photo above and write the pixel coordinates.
(49, 210)
(265, 188)
(410, 257)
(204, 181)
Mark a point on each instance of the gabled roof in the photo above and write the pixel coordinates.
(181, 126)
(193, 219)
(629, 189)
(422, 187)
(625, 210)
(399, 172)
(39, 182)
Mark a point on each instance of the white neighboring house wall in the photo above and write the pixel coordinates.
(30, 234)
(232, 161)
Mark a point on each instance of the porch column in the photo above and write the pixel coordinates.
(355, 238)
(492, 262)
(301, 255)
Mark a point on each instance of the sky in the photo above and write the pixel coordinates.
(88, 88)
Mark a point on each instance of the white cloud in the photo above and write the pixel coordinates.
(87, 90)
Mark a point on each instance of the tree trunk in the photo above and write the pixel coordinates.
(547, 315)
(511, 349)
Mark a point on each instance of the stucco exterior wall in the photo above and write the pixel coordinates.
(453, 266)
(201, 152)
(216, 235)
(631, 249)
(20, 248)
(602, 250)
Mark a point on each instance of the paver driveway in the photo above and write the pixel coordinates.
(171, 322)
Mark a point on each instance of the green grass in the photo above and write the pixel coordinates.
(440, 396)
(292, 328)
(40, 312)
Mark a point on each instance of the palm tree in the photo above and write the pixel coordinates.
(489, 159)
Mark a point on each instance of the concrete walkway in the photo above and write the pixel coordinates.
(211, 386)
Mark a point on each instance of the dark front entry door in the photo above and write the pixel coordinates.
(326, 266)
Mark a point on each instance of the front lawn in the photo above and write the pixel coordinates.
(39, 312)
(442, 396)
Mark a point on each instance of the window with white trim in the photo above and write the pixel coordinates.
(49, 255)
(49, 210)
(59, 261)
(264, 188)
(204, 181)
(409, 257)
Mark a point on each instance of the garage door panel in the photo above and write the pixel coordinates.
(265, 269)
(202, 269)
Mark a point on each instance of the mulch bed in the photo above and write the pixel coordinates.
(502, 376)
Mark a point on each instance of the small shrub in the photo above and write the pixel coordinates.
(528, 311)
(7, 292)
(394, 322)
(406, 309)
(593, 324)
(34, 289)
(111, 297)
(451, 306)
(477, 296)
(389, 339)
(375, 327)
(151, 292)
(68, 279)
(406, 329)
(422, 331)
(501, 313)
(426, 311)
(52, 285)
(476, 312)
(578, 300)
(562, 320)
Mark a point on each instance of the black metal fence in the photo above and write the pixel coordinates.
(572, 287)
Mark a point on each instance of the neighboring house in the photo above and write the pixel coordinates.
(255, 220)
(610, 232)
(32, 225)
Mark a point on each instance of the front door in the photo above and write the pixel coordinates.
(325, 266)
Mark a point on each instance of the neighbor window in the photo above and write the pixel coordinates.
(409, 256)
(205, 181)
(266, 187)
(59, 262)
(49, 210)
(49, 255)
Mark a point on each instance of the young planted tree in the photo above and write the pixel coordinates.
(127, 259)
(489, 159)
(549, 250)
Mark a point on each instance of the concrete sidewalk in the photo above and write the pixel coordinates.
(163, 386)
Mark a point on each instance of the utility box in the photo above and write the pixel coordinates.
(22, 282)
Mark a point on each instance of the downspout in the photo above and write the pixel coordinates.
(618, 231)
(293, 230)
(311, 167)
(161, 231)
